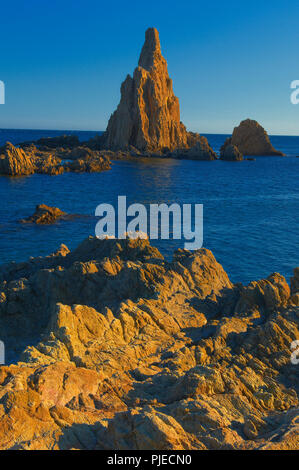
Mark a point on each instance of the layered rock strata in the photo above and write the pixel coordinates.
(148, 115)
(112, 347)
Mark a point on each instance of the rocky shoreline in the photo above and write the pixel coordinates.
(146, 123)
(114, 347)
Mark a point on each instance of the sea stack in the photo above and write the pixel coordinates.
(252, 139)
(148, 115)
(14, 161)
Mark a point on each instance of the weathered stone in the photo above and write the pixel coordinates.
(14, 161)
(64, 141)
(91, 163)
(251, 139)
(44, 215)
(130, 351)
(230, 152)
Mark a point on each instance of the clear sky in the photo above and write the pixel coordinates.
(63, 61)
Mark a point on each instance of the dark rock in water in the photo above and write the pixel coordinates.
(148, 115)
(44, 215)
(250, 159)
(14, 161)
(231, 153)
(200, 151)
(94, 163)
(252, 139)
(64, 141)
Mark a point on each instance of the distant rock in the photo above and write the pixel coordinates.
(65, 141)
(148, 115)
(44, 215)
(112, 347)
(14, 161)
(200, 151)
(230, 152)
(47, 163)
(252, 139)
(94, 163)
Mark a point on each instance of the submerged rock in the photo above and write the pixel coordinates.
(148, 115)
(44, 215)
(252, 139)
(130, 351)
(14, 161)
(230, 152)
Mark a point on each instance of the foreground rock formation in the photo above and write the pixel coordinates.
(251, 139)
(148, 115)
(29, 159)
(44, 215)
(115, 348)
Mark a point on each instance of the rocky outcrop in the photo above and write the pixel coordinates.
(63, 141)
(230, 152)
(200, 151)
(17, 162)
(44, 215)
(130, 351)
(14, 161)
(148, 115)
(47, 164)
(92, 163)
(251, 139)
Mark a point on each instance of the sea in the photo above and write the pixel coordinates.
(250, 208)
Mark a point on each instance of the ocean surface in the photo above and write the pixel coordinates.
(250, 208)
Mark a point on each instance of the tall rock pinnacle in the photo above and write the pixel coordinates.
(148, 115)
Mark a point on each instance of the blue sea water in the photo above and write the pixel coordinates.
(250, 208)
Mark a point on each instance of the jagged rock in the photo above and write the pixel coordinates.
(44, 215)
(130, 351)
(14, 161)
(200, 151)
(251, 139)
(230, 152)
(79, 153)
(91, 163)
(295, 281)
(64, 141)
(148, 115)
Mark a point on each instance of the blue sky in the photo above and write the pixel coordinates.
(63, 61)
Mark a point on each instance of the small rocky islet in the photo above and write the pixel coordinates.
(110, 346)
(146, 123)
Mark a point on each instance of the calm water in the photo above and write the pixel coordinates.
(250, 208)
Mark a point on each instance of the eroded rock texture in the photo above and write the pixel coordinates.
(251, 139)
(229, 152)
(119, 349)
(148, 115)
(44, 215)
